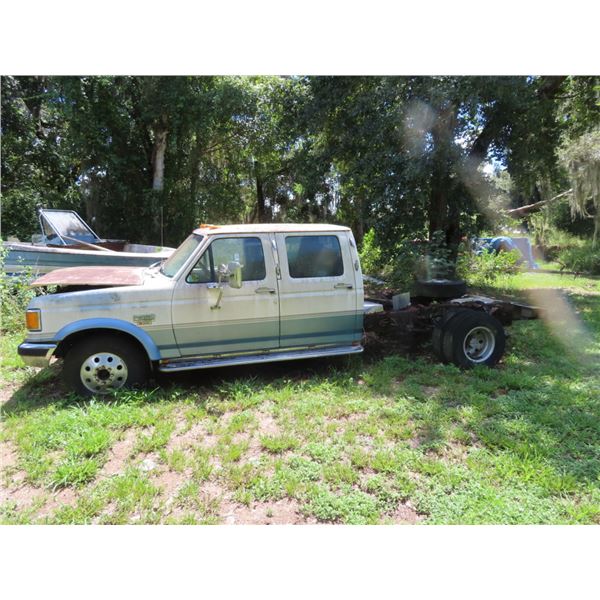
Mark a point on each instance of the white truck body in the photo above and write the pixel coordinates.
(301, 295)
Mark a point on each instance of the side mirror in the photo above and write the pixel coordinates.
(235, 274)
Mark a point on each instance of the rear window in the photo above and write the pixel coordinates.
(314, 256)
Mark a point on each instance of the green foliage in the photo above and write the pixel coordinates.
(371, 254)
(37, 161)
(484, 269)
(399, 155)
(406, 260)
(278, 444)
(436, 260)
(352, 508)
(15, 295)
(581, 159)
(584, 258)
(74, 472)
(157, 439)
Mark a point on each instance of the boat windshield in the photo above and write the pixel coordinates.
(180, 256)
(65, 227)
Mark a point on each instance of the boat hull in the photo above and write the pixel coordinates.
(37, 260)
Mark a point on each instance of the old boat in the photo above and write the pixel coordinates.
(68, 241)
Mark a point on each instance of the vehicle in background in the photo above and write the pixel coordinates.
(66, 240)
(506, 244)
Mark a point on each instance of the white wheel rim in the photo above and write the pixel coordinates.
(479, 344)
(102, 372)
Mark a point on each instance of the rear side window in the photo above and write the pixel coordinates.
(247, 251)
(314, 256)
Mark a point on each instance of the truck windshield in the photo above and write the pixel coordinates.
(180, 256)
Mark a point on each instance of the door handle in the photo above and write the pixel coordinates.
(264, 290)
(346, 286)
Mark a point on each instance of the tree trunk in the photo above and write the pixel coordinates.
(158, 154)
(440, 216)
(438, 206)
(260, 195)
(194, 176)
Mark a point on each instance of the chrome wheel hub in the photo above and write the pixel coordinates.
(479, 344)
(100, 373)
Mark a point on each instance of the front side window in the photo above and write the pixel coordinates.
(181, 255)
(314, 256)
(247, 251)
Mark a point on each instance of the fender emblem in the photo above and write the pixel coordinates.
(144, 319)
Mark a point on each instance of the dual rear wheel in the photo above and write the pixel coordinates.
(468, 338)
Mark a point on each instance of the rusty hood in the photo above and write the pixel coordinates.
(92, 276)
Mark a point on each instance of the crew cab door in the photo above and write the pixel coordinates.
(318, 294)
(246, 319)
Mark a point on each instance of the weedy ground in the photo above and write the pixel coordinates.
(397, 440)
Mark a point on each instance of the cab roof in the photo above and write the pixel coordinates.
(268, 228)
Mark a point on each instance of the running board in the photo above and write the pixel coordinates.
(184, 364)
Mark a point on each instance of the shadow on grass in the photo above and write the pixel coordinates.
(45, 388)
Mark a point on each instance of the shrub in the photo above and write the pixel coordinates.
(15, 295)
(370, 254)
(408, 259)
(483, 269)
(581, 259)
(435, 260)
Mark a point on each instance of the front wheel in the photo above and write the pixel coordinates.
(103, 364)
(473, 338)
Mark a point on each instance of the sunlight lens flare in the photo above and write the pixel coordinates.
(562, 320)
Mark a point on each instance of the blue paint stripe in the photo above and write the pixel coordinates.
(335, 333)
(220, 342)
(318, 334)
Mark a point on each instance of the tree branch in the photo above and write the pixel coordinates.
(547, 91)
(535, 207)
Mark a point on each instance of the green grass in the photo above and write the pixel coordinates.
(347, 441)
(532, 279)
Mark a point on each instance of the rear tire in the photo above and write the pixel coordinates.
(473, 338)
(436, 341)
(437, 335)
(103, 364)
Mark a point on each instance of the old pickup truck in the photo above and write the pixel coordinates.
(229, 295)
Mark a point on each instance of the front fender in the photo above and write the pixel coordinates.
(116, 324)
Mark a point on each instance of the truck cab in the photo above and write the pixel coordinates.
(232, 294)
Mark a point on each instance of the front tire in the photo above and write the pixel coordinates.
(103, 364)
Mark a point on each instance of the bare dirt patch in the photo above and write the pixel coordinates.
(6, 391)
(405, 513)
(281, 512)
(196, 435)
(118, 455)
(23, 496)
(170, 482)
(13, 485)
(8, 456)
(267, 424)
(430, 390)
(66, 496)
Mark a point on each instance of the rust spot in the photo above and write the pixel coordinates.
(92, 276)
